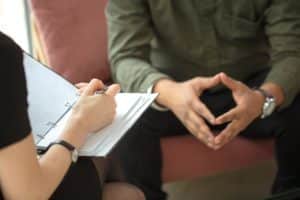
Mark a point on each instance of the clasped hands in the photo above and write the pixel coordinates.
(183, 100)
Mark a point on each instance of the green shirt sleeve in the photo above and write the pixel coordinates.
(130, 35)
(283, 30)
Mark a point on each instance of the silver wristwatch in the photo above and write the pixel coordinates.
(269, 105)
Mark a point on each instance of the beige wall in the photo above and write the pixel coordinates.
(12, 21)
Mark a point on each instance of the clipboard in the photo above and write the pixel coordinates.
(51, 97)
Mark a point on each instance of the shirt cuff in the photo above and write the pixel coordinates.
(154, 105)
(285, 74)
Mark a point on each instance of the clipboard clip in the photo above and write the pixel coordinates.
(51, 124)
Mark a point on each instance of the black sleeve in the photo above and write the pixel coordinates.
(14, 124)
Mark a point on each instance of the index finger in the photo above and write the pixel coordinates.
(202, 83)
(92, 87)
(203, 110)
(81, 85)
(228, 116)
(228, 133)
(113, 90)
(229, 82)
(199, 128)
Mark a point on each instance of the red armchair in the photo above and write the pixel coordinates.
(70, 36)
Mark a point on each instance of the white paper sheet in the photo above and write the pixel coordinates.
(130, 107)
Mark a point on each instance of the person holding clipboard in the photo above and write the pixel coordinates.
(56, 174)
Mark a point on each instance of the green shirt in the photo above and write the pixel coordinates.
(182, 39)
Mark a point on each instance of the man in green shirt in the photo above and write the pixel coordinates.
(204, 58)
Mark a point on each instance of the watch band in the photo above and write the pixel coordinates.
(64, 143)
(68, 146)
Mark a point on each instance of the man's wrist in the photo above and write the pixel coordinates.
(266, 103)
(275, 91)
(154, 105)
(162, 87)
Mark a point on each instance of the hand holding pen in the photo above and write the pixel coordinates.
(111, 90)
(95, 109)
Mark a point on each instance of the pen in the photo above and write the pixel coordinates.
(102, 91)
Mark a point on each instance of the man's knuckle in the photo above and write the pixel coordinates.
(197, 126)
(225, 118)
(201, 137)
(198, 79)
(243, 108)
(189, 102)
(233, 130)
(240, 83)
(204, 129)
(194, 104)
(185, 116)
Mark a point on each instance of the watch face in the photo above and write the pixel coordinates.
(269, 107)
(74, 156)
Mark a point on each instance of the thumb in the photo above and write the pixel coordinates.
(206, 82)
(92, 87)
(113, 90)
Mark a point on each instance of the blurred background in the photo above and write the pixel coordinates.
(249, 183)
(14, 21)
